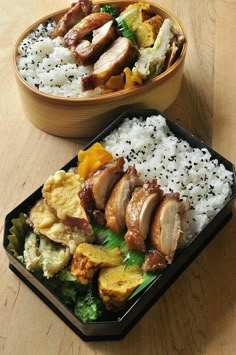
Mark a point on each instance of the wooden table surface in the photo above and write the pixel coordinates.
(197, 315)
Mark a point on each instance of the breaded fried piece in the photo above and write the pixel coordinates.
(53, 257)
(89, 258)
(41, 216)
(116, 284)
(41, 253)
(31, 252)
(61, 194)
(44, 221)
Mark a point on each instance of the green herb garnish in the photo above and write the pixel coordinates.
(148, 277)
(134, 257)
(125, 30)
(110, 9)
(109, 239)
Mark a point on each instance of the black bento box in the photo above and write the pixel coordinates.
(117, 325)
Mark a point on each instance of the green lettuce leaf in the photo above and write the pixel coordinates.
(125, 30)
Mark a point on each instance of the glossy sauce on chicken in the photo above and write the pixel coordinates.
(139, 213)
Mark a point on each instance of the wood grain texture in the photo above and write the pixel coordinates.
(197, 315)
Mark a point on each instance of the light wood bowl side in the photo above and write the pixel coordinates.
(86, 117)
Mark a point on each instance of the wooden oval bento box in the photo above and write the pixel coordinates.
(85, 117)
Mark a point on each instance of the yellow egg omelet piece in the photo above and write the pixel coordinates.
(88, 258)
(116, 284)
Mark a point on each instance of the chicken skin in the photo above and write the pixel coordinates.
(139, 213)
(98, 186)
(88, 52)
(122, 53)
(168, 225)
(77, 11)
(118, 201)
(85, 27)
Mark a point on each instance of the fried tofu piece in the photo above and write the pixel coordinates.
(116, 284)
(44, 221)
(88, 258)
(61, 194)
(147, 32)
(135, 14)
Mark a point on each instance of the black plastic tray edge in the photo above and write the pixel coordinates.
(88, 338)
(57, 311)
(182, 134)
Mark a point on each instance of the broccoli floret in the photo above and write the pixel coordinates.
(88, 308)
(67, 292)
(70, 288)
(82, 300)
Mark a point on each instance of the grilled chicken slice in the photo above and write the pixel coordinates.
(98, 186)
(116, 284)
(85, 27)
(154, 260)
(168, 225)
(88, 52)
(139, 212)
(89, 258)
(122, 53)
(119, 199)
(77, 11)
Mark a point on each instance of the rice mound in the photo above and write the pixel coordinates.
(46, 65)
(157, 153)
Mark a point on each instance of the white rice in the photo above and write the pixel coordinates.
(157, 153)
(46, 65)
